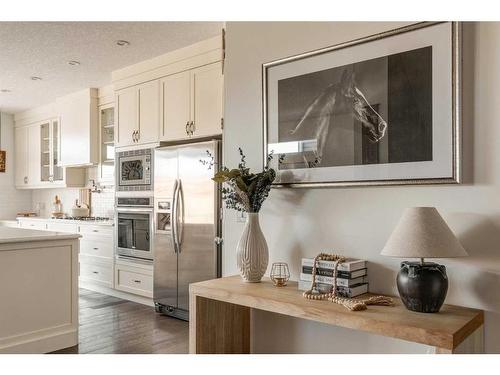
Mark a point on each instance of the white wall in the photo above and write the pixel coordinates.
(11, 200)
(357, 221)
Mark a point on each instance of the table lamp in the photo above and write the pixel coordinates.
(422, 233)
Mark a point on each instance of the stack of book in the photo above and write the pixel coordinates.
(351, 277)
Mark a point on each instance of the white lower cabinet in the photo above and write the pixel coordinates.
(134, 278)
(62, 227)
(96, 254)
(98, 268)
(97, 247)
(32, 224)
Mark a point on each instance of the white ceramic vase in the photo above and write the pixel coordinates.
(252, 254)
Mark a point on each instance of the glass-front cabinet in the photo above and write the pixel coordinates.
(50, 171)
(107, 147)
(107, 134)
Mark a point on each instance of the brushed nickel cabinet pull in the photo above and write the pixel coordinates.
(137, 281)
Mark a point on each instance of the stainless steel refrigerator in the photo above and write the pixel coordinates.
(187, 223)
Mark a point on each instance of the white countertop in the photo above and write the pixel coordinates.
(14, 235)
(109, 222)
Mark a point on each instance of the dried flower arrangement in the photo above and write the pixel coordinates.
(244, 191)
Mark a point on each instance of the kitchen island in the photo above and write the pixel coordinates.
(38, 290)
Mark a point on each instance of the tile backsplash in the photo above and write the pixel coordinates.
(102, 204)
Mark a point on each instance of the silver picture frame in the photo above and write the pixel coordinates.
(456, 110)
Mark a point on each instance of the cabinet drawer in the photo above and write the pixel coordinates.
(95, 230)
(96, 248)
(60, 227)
(99, 273)
(33, 225)
(134, 281)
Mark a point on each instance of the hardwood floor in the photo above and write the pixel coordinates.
(112, 325)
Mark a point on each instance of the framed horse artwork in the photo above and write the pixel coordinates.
(384, 109)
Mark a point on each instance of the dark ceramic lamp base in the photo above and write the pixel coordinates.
(422, 286)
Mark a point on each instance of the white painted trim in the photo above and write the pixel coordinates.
(34, 115)
(47, 111)
(106, 95)
(193, 56)
(42, 342)
(168, 58)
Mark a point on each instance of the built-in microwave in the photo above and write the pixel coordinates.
(134, 170)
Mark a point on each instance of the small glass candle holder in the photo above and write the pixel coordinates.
(280, 274)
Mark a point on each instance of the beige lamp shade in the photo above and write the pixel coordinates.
(423, 233)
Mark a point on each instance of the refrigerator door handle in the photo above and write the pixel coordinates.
(180, 217)
(174, 216)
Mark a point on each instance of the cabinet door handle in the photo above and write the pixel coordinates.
(95, 230)
(96, 248)
(137, 281)
(138, 135)
(187, 130)
(193, 127)
(134, 138)
(25, 179)
(95, 272)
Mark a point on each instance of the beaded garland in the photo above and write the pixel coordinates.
(349, 303)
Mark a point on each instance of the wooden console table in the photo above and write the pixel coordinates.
(219, 317)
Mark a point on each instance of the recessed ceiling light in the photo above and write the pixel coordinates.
(74, 62)
(5, 90)
(122, 43)
(35, 78)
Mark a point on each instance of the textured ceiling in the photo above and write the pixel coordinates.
(44, 48)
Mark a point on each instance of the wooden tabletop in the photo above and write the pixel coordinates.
(446, 329)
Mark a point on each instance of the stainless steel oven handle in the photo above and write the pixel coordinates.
(174, 216)
(145, 210)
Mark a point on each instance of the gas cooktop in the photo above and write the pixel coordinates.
(84, 218)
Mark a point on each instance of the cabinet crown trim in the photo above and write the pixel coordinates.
(194, 55)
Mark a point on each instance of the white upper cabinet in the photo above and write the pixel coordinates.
(79, 127)
(33, 155)
(207, 100)
(138, 114)
(176, 100)
(172, 97)
(127, 112)
(192, 103)
(20, 153)
(37, 156)
(149, 112)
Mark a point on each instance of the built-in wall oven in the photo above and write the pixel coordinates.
(134, 227)
(134, 170)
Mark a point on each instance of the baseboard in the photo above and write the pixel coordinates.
(45, 342)
(116, 293)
